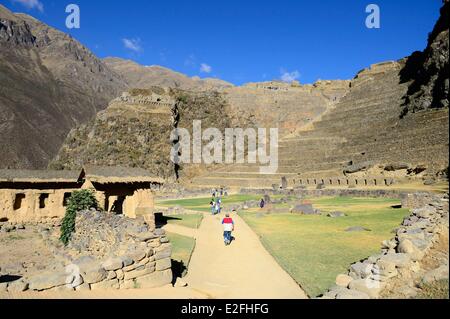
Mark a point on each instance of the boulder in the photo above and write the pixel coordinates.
(343, 280)
(424, 212)
(400, 260)
(354, 168)
(92, 272)
(106, 284)
(47, 280)
(368, 286)
(146, 236)
(336, 214)
(389, 244)
(407, 247)
(156, 279)
(139, 272)
(113, 263)
(382, 271)
(396, 167)
(137, 255)
(305, 209)
(163, 264)
(83, 287)
(18, 286)
(361, 270)
(163, 251)
(127, 261)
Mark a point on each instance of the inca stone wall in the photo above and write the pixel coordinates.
(400, 256)
(106, 251)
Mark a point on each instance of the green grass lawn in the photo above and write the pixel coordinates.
(182, 248)
(186, 220)
(314, 249)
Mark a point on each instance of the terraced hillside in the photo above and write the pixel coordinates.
(286, 106)
(363, 130)
(391, 125)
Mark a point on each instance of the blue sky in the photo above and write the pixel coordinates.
(246, 40)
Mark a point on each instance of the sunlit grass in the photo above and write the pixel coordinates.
(314, 249)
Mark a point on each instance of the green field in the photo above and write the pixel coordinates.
(182, 248)
(186, 220)
(202, 204)
(314, 249)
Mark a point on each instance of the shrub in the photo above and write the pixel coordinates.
(79, 200)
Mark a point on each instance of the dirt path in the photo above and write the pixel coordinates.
(242, 270)
(167, 292)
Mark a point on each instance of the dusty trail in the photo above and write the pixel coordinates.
(242, 270)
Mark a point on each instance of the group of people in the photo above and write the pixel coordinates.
(216, 208)
(215, 204)
(216, 200)
(219, 192)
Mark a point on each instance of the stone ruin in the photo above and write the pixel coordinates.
(107, 251)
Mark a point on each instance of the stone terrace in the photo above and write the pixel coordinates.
(365, 126)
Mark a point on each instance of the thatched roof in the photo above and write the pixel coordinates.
(119, 174)
(38, 176)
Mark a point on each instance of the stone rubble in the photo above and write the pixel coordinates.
(106, 251)
(401, 255)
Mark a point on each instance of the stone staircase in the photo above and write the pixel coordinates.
(364, 126)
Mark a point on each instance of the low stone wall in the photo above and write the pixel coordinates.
(399, 256)
(342, 181)
(107, 251)
(327, 192)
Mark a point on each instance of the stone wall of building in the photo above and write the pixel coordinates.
(33, 205)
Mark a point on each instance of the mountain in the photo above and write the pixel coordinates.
(49, 83)
(429, 70)
(139, 76)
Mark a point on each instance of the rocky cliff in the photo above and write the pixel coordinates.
(429, 70)
(49, 83)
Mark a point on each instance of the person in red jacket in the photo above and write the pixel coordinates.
(228, 227)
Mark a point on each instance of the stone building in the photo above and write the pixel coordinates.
(37, 195)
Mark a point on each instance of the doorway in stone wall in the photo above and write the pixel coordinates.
(117, 205)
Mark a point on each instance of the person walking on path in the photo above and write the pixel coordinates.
(228, 227)
(212, 203)
(262, 203)
(218, 203)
